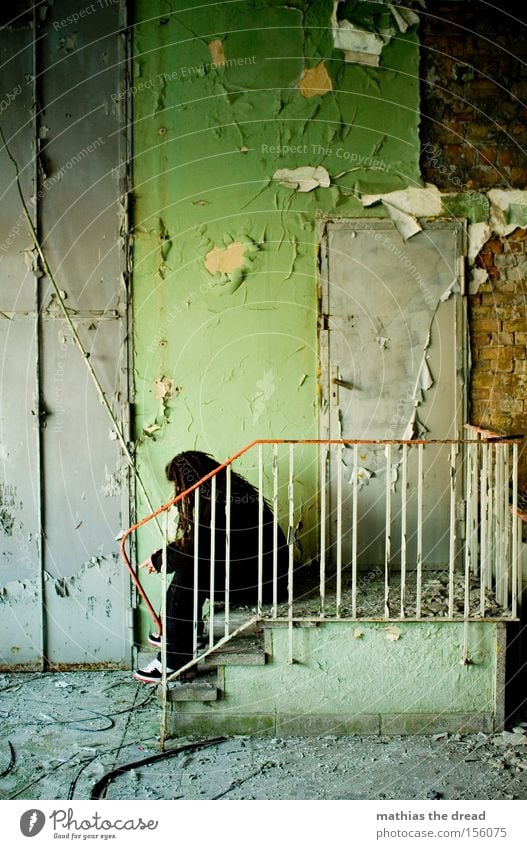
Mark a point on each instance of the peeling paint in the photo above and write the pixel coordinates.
(303, 179)
(508, 210)
(113, 483)
(265, 389)
(315, 81)
(217, 52)
(393, 633)
(218, 189)
(9, 505)
(225, 260)
(163, 388)
(478, 234)
(421, 203)
(364, 44)
(477, 277)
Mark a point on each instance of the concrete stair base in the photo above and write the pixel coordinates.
(347, 677)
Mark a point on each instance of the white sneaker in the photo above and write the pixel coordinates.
(152, 673)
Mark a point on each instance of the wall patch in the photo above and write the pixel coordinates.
(315, 81)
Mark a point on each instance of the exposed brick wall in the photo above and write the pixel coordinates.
(473, 127)
(498, 327)
(474, 137)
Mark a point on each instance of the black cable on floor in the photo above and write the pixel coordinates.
(101, 784)
(11, 762)
(128, 718)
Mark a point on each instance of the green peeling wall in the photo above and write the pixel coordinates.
(223, 357)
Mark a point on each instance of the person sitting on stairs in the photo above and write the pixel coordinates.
(185, 470)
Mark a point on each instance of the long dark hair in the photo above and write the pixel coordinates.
(186, 469)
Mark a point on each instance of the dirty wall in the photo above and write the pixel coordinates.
(225, 287)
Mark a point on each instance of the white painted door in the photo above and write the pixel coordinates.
(393, 365)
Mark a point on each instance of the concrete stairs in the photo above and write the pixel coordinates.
(347, 677)
(246, 649)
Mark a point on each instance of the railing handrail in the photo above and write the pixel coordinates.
(488, 437)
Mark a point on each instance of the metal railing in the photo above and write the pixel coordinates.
(380, 537)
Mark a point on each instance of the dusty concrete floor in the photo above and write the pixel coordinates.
(67, 730)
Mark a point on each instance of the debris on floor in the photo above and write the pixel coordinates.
(63, 732)
(370, 596)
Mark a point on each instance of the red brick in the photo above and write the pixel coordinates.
(487, 155)
(488, 380)
(508, 404)
(485, 259)
(495, 246)
(485, 324)
(516, 325)
(478, 340)
(483, 88)
(497, 298)
(481, 393)
(518, 177)
(503, 339)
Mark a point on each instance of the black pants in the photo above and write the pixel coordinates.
(243, 585)
(180, 616)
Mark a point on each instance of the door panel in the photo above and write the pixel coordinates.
(63, 484)
(392, 344)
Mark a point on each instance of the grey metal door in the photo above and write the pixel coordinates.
(392, 339)
(64, 596)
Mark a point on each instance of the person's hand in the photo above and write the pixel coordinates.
(148, 565)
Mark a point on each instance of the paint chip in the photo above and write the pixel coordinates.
(217, 52)
(303, 179)
(393, 633)
(477, 278)
(358, 634)
(315, 81)
(163, 388)
(225, 260)
(363, 477)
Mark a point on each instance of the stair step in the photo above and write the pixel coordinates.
(203, 688)
(240, 651)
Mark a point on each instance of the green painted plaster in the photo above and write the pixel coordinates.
(241, 348)
(473, 207)
(346, 670)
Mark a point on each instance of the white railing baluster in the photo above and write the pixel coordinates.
(453, 536)
(388, 531)
(468, 541)
(260, 528)
(483, 549)
(227, 548)
(354, 532)
(275, 531)
(212, 559)
(474, 548)
(323, 483)
(339, 530)
(419, 530)
(514, 531)
(163, 613)
(291, 543)
(506, 527)
(196, 575)
(491, 524)
(404, 532)
(500, 564)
